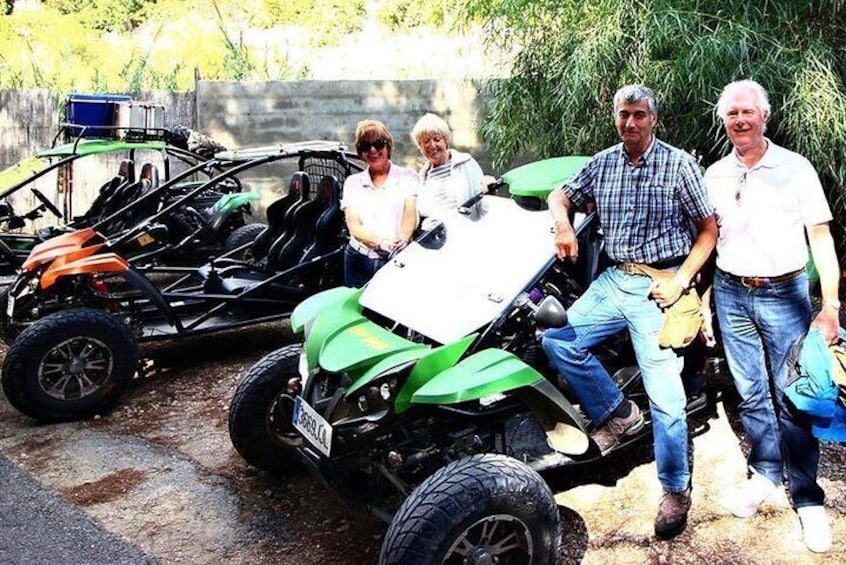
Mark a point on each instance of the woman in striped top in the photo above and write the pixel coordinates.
(449, 177)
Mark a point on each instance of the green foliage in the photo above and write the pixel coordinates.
(236, 60)
(131, 45)
(107, 15)
(572, 56)
(405, 14)
(38, 50)
(56, 46)
(326, 20)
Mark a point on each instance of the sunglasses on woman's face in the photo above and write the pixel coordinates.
(378, 145)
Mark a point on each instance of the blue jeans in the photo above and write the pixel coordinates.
(758, 326)
(614, 302)
(359, 268)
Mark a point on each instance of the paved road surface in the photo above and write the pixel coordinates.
(36, 526)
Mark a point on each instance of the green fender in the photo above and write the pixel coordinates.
(435, 362)
(327, 315)
(230, 202)
(33, 164)
(309, 308)
(87, 147)
(399, 359)
(21, 171)
(493, 371)
(358, 344)
(542, 177)
(488, 372)
(428, 363)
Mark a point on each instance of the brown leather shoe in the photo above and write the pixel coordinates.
(614, 429)
(672, 514)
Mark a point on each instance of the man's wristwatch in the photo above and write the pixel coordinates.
(832, 304)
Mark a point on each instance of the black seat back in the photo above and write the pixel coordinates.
(290, 246)
(301, 178)
(127, 170)
(125, 193)
(277, 213)
(124, 177)
(294, 248)
(330, 223)
(148, 181)
(150, 174)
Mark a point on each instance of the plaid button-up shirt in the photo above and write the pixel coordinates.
(646, 210)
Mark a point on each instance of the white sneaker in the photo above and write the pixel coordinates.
(746, 499)
(816, 533)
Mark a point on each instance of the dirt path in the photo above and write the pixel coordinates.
(160, 472)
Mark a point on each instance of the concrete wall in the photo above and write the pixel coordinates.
(27, 123)
(242, 114)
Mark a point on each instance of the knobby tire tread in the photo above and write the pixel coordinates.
(453, 493)
(242, 235)
(248, 409)
(15, 372)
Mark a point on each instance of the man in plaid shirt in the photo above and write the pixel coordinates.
(647, 194)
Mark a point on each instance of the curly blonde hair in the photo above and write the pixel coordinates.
(431, 124)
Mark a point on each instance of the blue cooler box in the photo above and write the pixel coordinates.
(96, 111)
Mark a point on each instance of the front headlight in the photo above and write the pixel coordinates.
(376, 398)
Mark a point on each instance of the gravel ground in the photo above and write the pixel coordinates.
(159, 472)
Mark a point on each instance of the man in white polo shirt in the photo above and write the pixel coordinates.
(766, 200)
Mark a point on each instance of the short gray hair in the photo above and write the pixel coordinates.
(746, 85)
(431, 124)
(633, 93)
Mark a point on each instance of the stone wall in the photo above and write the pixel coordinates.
(242, 114)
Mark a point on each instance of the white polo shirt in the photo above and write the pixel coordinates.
(762, 211)
(380, 209)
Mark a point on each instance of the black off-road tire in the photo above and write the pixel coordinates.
(470, 495)
(52, 349)
(245, 234)
(261, 412)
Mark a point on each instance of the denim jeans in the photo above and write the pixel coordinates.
(359, 268)
(614, 302)
(758, 326)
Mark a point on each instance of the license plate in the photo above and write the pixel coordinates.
(312, 426)
(10, 305)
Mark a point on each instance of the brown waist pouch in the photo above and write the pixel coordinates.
(683, 319)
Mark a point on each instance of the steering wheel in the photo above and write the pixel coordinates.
(46, 202)
(228, 185)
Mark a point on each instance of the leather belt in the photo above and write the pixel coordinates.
(364, 250)
(760, 282)
(631, 268)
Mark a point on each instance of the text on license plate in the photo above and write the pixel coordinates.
(312, 426)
